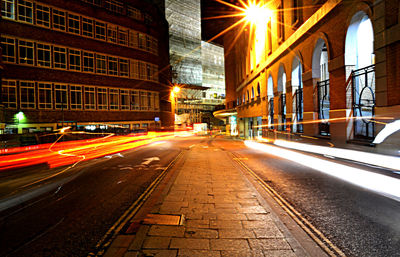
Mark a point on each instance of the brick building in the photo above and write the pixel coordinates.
(90, 64)
(319, 68)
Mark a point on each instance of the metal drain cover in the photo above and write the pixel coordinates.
(164, 219)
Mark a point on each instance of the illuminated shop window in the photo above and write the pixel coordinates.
(74, 23)
(43, 55)
(8, 49)
(59, 20)
(9, 93)
(101, 64)
(61, 96)
(27, 95)
(74, 60)
(42, 15)
(8, 9)
(60, 57)
(88, 62)
(45, 93)
(100, 30)
(76, 97)
(25, 11)
(26, 52)
(102, 103)
(114, 99)
(90, 98)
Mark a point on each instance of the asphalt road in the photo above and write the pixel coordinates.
(359, 222)
(70, 219)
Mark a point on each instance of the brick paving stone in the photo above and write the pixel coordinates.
(259, 216)
(115, 252)
(209, 216)
(229, 244)
(201, 233)
(279, 253)
(252, 209)
(236, 233)
(227, 205)
(243, 253)
(237, 224)
(193, 216)
(190, 243)
(132, 254)
(257, 224)
(160, 253)
(198, 253)
(231, 216)
(198, 224)
(225, 210)
(268, 232)
(269, 244)
(172, 231)
(156, 242)
(122, 241)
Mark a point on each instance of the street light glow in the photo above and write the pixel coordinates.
(256, 13)
(176, 89)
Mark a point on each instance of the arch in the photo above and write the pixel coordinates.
(248, 96)
(359, 41)
(282, 79)
(252, 93)
(270, 87)
(318, 60)
(258, 89)
(296, 76)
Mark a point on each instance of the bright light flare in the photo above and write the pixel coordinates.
(381, 184)
(257, 13)
(176, 89)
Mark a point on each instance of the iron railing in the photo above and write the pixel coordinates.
(323, 107)
(271, 112)
(298, 108)
(282, 111)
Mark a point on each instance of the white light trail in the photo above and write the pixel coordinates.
(384, 185)
(385, 161)
(389, 129)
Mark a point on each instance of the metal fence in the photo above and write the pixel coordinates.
(323, 107)
(298, 111)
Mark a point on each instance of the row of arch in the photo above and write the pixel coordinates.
(358, 54)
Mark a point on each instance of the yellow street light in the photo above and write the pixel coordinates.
(176, 89)
(257, 13)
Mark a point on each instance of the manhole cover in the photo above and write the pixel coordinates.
(164, 219)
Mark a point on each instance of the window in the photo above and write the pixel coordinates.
(148, 43)
(114, 104)
(74, 60)
(101, 64)
(8, 47)
(60, 57)
(25, 11)
(112, 66)
(134, 13)
(124, 67)
(151, 101)
(9, 93)
(142, 40)
(296, 12)
(7, 9)
(114, 6)
(76, 97)
(73, 23)
(42, 15)
(156, 101)
(149, 71)
(142, 70)
(154, 46)
(25, 50)
(43, 55)
(90, 98)
(122, 36)
(112, 33)
(94, 2)
(100, 30)
(134, 69)
(269, 38)
(45, 96)
(27, 95)
(133, 39)
(88, 62)
(124, 99)
(58, 20)
(102, 103)
(61, 96)
(87, 27)
(143, 100)
(155, 73)
(280, 22)
(135, 105)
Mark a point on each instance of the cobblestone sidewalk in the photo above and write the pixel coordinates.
(222, 211)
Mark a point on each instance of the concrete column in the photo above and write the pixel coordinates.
(309, 112)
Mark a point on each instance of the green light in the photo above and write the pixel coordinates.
(20, 116)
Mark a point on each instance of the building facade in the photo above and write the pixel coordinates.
(319, 69)
(89, 64)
